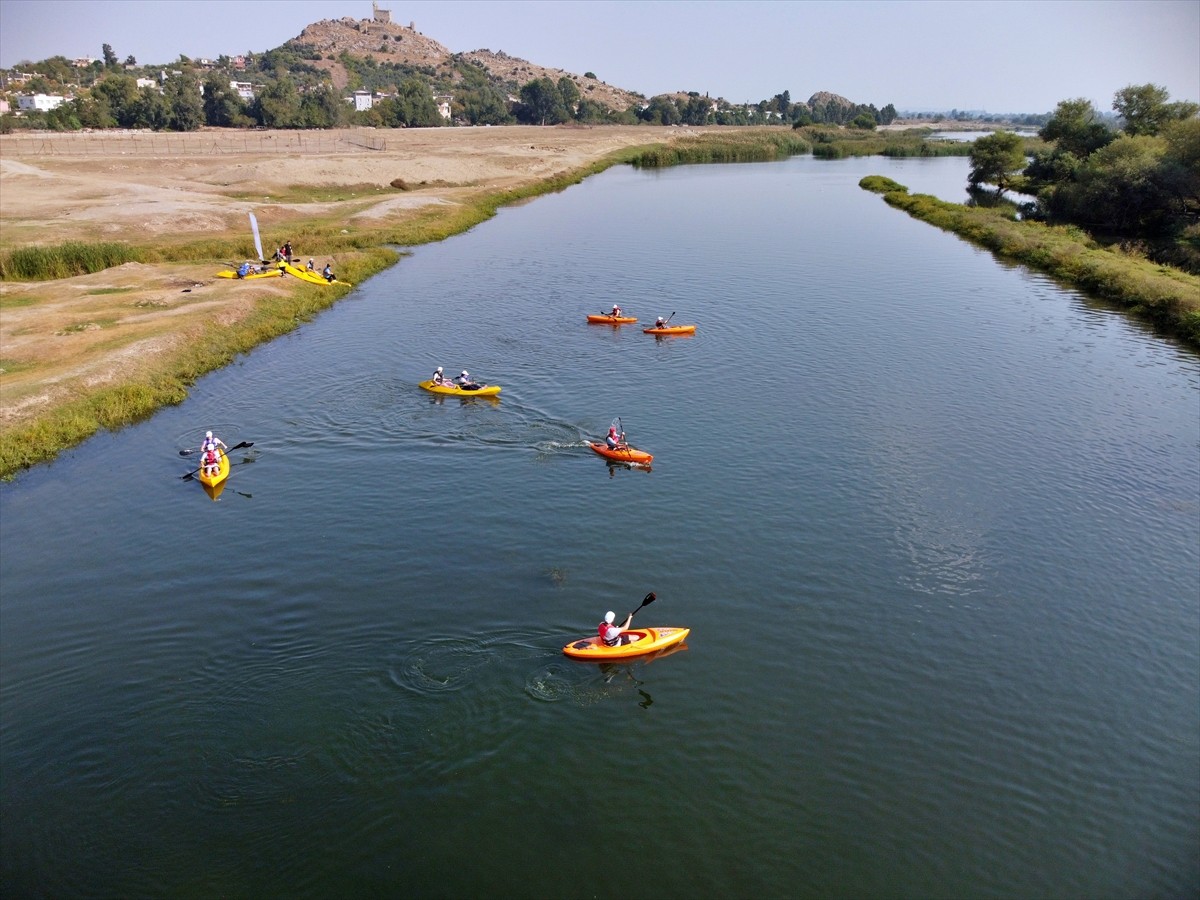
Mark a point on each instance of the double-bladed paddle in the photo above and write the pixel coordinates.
(650, 598)
(190, 475)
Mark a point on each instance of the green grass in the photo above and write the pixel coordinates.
(103, 291)
(753, 146)
(65, 260)
(1167, 298)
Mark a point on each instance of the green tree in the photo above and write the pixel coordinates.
(541, 103)
(150, 110)
(322, 108)
(1145, 110)
(131, 60)
(569, 94)
(661, 110)
(223, 107)
(118, 94)
(185, 106)
(278, 105)
(110, 58)
(997, 159)
(695, 111)
(1075, 128)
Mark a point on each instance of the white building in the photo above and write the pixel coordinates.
(147, 82)
(244, 89)
(44, 102)
(362, 100)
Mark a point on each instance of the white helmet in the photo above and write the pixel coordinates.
(208, 434)
(439, 368)
(465, 374)
(610, 616)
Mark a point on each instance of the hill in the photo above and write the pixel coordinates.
(396, 50)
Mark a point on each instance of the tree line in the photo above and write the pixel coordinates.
(1136, 181)
(292, 92)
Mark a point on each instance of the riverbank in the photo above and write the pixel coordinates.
(1168, 299)
(106, 348)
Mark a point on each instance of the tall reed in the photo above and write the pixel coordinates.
(47, 263)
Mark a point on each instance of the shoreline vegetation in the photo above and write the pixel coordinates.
(1166, 298)
(50, 418)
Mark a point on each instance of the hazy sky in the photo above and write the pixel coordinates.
(1009, 56)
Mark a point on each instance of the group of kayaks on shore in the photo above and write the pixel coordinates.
(280, 264)
(660, 327)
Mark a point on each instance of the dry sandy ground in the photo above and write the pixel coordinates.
(59, 339)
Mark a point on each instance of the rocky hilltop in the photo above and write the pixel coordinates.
(324, 42)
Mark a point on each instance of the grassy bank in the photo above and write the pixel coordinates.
(1167, 298)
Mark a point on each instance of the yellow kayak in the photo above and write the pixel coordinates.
(645, 640)
(312, 277)
(450, 389)
(230, 273)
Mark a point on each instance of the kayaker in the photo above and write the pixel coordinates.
(614, 440)
(212, 462)
(212, 443)
(437, 376)
(616, 311)
(464, 381)
(311, 267)
(660, 322)
(327, 272)
(244, 269)
(287, 251)
(610, 634)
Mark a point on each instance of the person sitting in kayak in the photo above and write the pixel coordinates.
(615, 441)
(660, 322)
(311, 267)
(327, 273)
(611, 635)
(244, 269)
(212, 462)
(211, 443)
(616, 311)
(464, 381)
(437, 378)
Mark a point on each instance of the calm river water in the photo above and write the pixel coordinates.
(934, 522)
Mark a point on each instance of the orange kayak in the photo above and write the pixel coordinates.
(611, 320)
(671, 329)
(648, 641)
(621, 454)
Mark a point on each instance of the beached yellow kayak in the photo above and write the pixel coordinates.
(311, 276)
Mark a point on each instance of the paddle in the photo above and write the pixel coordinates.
(190, 475)
(650, 598)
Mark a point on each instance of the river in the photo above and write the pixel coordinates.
(933, 519)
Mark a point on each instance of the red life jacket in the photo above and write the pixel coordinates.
(603, 631)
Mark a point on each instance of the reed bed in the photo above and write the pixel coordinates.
(65, 260)
(757, 146)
